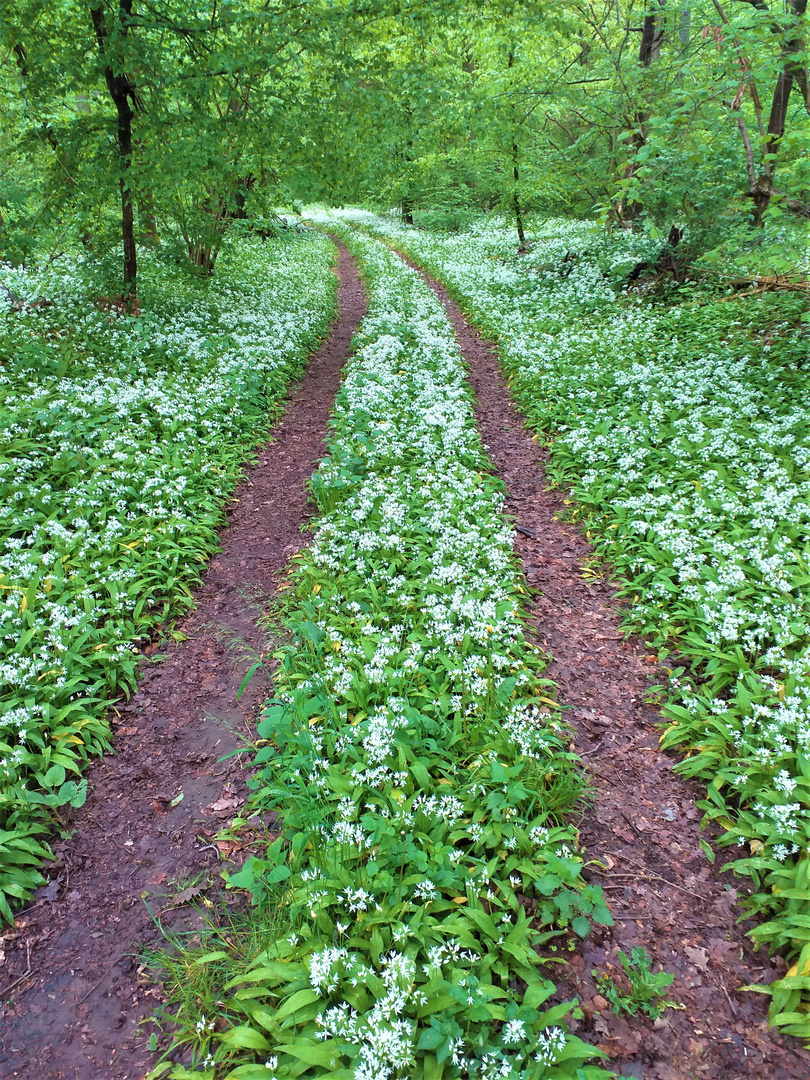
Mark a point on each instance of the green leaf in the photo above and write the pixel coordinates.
(245, 1037)
(298, 1001)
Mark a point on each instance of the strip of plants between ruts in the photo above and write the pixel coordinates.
(420, 769)
(681, 433)
(122, 440)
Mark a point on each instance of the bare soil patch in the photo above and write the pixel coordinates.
(663, 892)
(74, 1014)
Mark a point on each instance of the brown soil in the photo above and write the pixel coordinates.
(75, 1014)
(663, 892)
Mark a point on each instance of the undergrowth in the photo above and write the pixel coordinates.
(680, 429)
(420, 768)
(121, 440)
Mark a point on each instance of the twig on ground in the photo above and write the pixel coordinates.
(650, 877)
(24, 975)
(101, 979)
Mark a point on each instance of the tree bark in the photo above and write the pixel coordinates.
(516, 198)
(148, 219)
(407, 157)
(516, 173)
(792, 72)
(684, 28)
(652, 37)
(122, 91)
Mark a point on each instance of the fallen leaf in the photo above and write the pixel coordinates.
(698, 957)
(226, 848)
(223, 804)
(49, 892)
(722, 951)
(185, 895)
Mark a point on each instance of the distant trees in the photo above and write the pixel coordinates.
(179, 118)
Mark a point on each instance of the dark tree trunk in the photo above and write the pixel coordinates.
(407, 158)
(792, 72)
(516, 173)
(516, 198)
(203, 256)
(243, 189)
(652, 37)
(122, 91)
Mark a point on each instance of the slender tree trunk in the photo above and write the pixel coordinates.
(652, 37)
(516, 197)
(407, 157)
(122, 91)
(148, 219)
(684, 28)
(510, 63)
(792, 72)
(127, 206)
(684, 31)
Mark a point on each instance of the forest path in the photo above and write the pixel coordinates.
(75, 1014)
(663, 892)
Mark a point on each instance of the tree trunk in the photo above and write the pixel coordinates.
(122, 91)
(516, 171)
(407, 210)
(684, 28)
(652, 37)
(147, 219)
(792, 72)
(243, 188)
(202, 256)
(516, 198)
(127, 208)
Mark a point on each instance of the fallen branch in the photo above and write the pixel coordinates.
(758, 285)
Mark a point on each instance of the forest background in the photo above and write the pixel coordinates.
(170, 121)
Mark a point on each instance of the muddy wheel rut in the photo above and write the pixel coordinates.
(71, 965)
(644, 826)
(75, 1014)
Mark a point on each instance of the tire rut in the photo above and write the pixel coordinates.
(156, 802)
(644, 825)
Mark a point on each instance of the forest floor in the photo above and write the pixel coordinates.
(72, 987)
(663, 892)
(72, 982)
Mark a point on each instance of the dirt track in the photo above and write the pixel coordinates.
(662, 890)
(76, 1015)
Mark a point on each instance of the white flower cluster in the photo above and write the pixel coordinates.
(694, 451)
(407, 734)
(120, 440)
